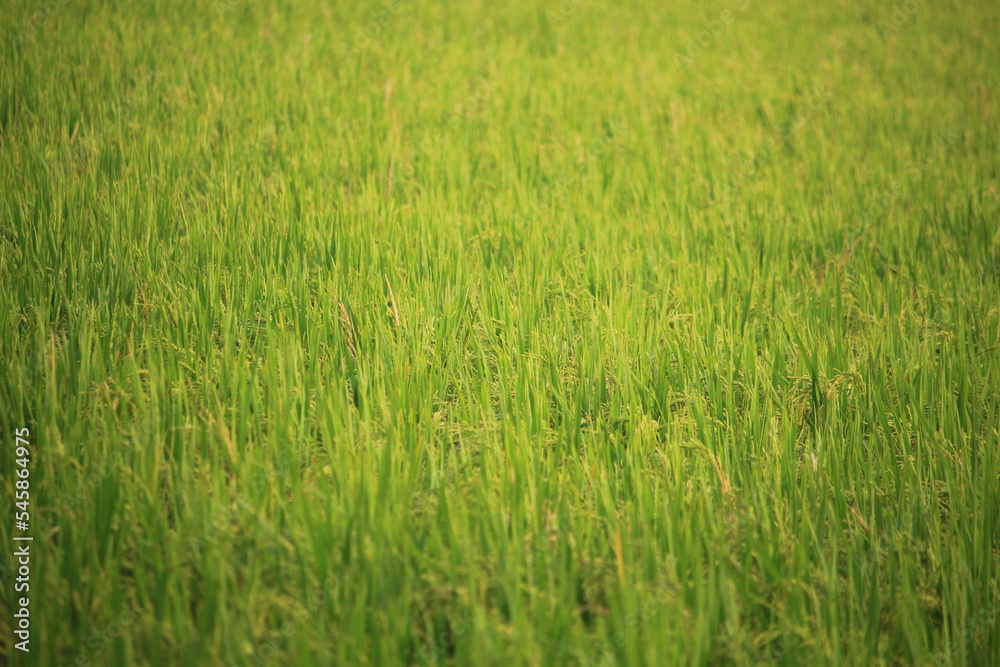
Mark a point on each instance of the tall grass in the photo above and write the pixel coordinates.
(476, 333)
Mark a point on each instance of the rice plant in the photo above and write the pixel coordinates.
(570, 332)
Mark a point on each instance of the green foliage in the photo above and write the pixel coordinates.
(580, 333)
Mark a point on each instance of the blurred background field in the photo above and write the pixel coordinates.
(430, 333)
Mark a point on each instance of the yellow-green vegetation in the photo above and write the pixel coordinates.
(552, 333)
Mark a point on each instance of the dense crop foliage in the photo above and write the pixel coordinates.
(592, 333)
